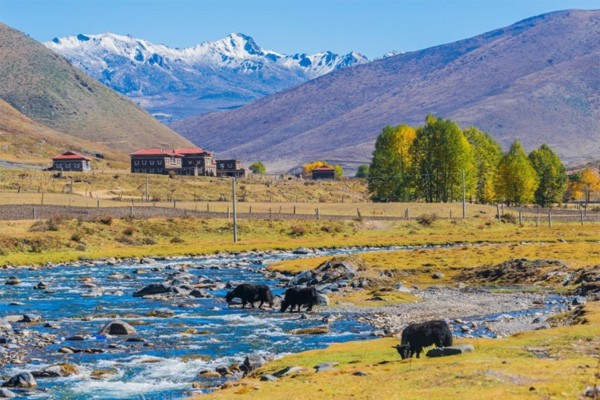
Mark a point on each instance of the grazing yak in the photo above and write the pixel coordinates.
(300, 297)
(417, 336)
(249, 293)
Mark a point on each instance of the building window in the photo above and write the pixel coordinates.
(151, 170)
(136, 162)
(151, 162)
(158, 162)
(144, 162)
(159, 170)
(58, 165)
(68, 165)
(136, 170)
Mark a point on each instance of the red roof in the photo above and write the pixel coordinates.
(156, 152)
(71, 155)
(324, 169)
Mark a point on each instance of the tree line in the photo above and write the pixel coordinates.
(432, 161)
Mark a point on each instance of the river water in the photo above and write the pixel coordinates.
(157, 369)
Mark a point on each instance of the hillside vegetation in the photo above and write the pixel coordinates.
(25, 141)
(45, 87)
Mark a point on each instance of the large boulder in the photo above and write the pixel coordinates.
(302, 278)
(30, 318)
(5, 325)
(117, 327)
(253, 361)
(154, 288)
(56, 370)
(450, 351)
(323, 299)
(23, 380)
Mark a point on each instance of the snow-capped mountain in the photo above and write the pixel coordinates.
(176, 83)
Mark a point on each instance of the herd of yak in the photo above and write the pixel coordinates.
(415, 337)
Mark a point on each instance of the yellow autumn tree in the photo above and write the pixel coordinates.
(307, 169)
(588, 183)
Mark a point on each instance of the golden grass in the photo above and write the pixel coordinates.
(499, 368)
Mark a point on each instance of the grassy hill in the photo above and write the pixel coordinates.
(45, 87)
(536, 80)
(25, 141)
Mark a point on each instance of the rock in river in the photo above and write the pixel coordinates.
(117, 327)
(6, 394)
(153, 288)
(253, 361)
(22, 380)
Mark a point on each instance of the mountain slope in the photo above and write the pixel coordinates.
(177, 83)
(46, 88)
(536, 80)
(25, 141)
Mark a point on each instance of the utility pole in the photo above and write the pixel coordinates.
(147, 196)
(235, 238)
(464, 195)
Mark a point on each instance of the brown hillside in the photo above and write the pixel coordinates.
(536, 80)
(25, 141)
(46, 88)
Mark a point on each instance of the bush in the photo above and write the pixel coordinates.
(105, 219)
(177, 239)
(509, 218)
(76, 237)
(129, 231)
(172, 174)
(298, 230)
(80, 247)
(426, 219)
(148, 241)
(128, 241)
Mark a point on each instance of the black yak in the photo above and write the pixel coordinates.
(300, 297)
(417, 336)
(250, 293)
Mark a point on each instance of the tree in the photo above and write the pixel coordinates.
(588, 184)
(389, 172)
(338, 171)
(363, 171)
(258, 168)
(516, 180)
(307, 169)
(487, 154)
(552, 175)
(573, 190)
(441, 152)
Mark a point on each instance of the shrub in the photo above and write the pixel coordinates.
(105, 219)
(509, 218)
(80, 247)
(177, 239)
(129, 231)
(128, 241)
(298, 230)
(172, 174)
(76, 237)
(426, 219)
(148, 241)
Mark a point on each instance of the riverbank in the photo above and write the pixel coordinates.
(560, 362)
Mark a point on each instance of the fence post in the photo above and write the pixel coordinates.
(42, 198)
(498, 211)
(34, 214)
(228, 212)
(581, 214)
(550, 218)
(174, 203)
(502, 208)
(358, 212)
(270, 213)
(250, 210)
(98, 203)
(131, 211)
(537, 219)
(521, 218)
(294, 210)
(318, 215)
(450, 214)
(279, 209)
(207, 207)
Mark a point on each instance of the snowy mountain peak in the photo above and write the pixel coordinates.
(206, 77)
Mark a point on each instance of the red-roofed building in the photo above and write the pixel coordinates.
(71, 161)
(323, 173)
(155, 161)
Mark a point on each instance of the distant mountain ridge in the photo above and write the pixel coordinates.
(536, 80)
(175, 83)
(46, 88)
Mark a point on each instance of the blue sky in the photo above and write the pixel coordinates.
(371, 27)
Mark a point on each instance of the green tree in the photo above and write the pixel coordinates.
(552, 175)
(258, 168)
(363, 171)
(487, 154)
(516, 180)
(389, 178)
(441, 152)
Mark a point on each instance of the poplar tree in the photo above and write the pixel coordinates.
(516, 180)
(441, 152)
(552, 175)
(389, 172)
(487, 154)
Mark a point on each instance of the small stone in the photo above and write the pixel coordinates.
(268, 378)
(438, 275)
(360, 373)
(6, 394)
(579, 300)
(450, 351)
(287, 371)
(31, 318)
(253, 361)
